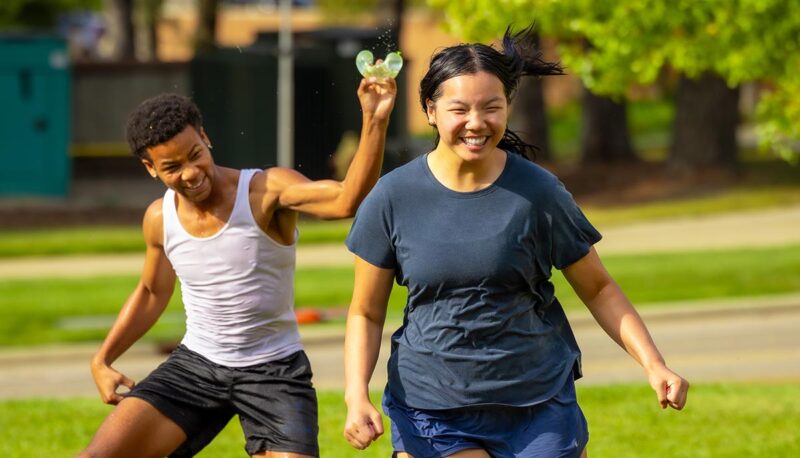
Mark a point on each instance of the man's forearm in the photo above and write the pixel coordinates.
(139, 313)
(365, 168)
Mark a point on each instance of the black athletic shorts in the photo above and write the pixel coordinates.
(275, 401)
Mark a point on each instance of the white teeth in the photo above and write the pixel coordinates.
(475, 141)
(195, 186)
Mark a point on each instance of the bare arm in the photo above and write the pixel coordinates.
(361, 348)
(140, 311)
(333, 199)
(617, 316)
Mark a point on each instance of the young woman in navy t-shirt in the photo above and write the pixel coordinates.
(485, 361)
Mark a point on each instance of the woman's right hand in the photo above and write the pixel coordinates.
(364, 424)
(108, 380)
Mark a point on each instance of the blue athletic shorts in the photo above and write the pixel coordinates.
(553, 429)
(275, 401)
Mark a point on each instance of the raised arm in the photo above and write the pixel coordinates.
(332, 199)
(617, 316)
(140, 311)
(362, 345)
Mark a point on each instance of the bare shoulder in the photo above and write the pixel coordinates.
(153, 222)
(280, 178)
(268, 184)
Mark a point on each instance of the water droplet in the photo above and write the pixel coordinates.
(239, 48)
(241, 133)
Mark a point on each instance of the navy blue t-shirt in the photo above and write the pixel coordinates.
(482, 325)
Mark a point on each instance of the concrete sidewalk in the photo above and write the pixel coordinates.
(763, 228)
(744, 339)
(747, 339)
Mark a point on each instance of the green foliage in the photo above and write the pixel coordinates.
(39, 13)
(720, 421)
(612, 44)
(779, 112)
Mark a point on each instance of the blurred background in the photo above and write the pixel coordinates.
(675, 95)
(677, 128)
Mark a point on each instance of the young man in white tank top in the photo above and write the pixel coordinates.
(229, 236)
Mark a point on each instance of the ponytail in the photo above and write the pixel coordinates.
(520, 57)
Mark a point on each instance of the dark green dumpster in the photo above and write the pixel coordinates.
(34, 118)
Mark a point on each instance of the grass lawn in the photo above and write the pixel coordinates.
(127, 239)
(720, 421)
(57, 310)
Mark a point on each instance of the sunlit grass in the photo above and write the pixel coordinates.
(720, 421)
(128, 239)
(733, 200)
(39, 311)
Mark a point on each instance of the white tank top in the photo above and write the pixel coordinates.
(237, 286)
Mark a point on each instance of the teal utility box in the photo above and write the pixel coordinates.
(34, 116)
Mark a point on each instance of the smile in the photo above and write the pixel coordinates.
(195, 187)
(475, 141)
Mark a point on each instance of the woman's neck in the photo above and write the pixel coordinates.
(460, 175)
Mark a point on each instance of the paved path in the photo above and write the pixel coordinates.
(748, 339)
(752, 339)
(759, 228)
(773, 227)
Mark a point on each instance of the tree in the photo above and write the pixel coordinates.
(604, 130)
(528, 117)
(390, 11)
(637, 41)
(39, 13)
(206, 35)
(121, 13)
(709, 43)
(150, 12)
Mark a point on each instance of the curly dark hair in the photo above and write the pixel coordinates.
(158, 119)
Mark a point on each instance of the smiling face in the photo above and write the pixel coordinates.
(184, 164)
(470, 115)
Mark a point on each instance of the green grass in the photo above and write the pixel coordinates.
(126, 239)
(649, 122)
(648, 279)
(733, 200)
(40, 311)
(720, 421)
(73, 240)
(764, 184)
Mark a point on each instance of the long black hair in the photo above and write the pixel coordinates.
(519, 57)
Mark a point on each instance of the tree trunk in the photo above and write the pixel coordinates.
(395, 9)
(36, 14)
(707, 114)
(604, 130)
(151, 14)
(528, 117)
(122, 14)
(205, 40)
